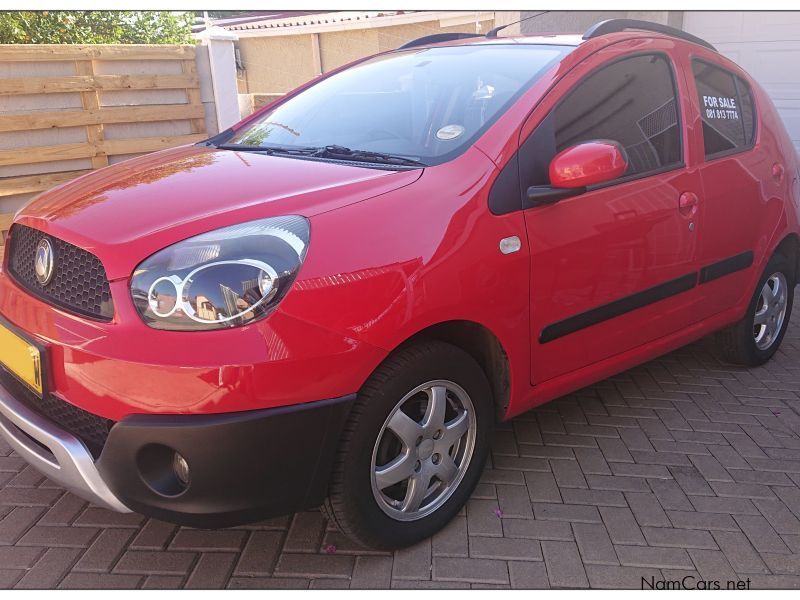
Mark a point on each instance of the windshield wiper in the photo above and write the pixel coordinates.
(342, 153)
(267, 149)
(332, 152)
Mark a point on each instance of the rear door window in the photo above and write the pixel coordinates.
(726, 107)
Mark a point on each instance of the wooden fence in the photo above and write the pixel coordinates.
(62, 89)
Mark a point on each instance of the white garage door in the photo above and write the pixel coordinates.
(766, 45)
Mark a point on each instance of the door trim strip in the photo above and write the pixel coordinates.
(618, 307)
(641, 299)
(727, 266)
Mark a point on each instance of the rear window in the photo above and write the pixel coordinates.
(726, 107)
(426, 104)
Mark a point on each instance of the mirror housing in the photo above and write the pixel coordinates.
(588, 163)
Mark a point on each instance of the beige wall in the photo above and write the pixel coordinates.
(277, 64)
(341, 47)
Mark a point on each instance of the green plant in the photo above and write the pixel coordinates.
(95, 27)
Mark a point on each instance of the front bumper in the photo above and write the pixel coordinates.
(113, 370)
(243, 466)
(55, 453)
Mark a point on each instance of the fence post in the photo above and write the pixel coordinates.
(222, 65)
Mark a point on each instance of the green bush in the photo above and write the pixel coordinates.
(95, 27)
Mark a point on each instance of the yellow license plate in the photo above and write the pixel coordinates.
(21, 358)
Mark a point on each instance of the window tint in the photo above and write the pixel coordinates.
(748, 111)
(726, 106)
(631, 101)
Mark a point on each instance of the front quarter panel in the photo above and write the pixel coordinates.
(383, 270)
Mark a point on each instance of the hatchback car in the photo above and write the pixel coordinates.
(335, 300)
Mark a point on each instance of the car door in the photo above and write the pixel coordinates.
(615, 267)
(741, 194)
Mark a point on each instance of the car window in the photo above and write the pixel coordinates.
(424, 103)
(726, 107)
(631, 101)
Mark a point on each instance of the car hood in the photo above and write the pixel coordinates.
(128, 211)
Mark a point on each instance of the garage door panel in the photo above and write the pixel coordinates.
(767, 62)
(714, 26)
(791, 118)
(766, 45)
(722, 27)
(783, 92)
(771, 25)
(773, 61)
(790, 115)
(735, 54)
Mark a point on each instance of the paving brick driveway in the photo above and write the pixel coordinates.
(681, 466)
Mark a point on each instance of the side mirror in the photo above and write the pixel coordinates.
(588, 163)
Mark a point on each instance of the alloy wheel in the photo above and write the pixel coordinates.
(423, 450)
(770, 311)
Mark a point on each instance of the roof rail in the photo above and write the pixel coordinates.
(617, 25)
(438, 37)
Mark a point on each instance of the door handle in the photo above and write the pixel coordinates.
(777, 172)
(687, 204)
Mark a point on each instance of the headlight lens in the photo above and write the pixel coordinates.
(225, 278)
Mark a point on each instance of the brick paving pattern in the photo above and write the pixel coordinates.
(683, 466)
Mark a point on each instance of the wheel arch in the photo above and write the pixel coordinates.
(789, 246)
(480, 343)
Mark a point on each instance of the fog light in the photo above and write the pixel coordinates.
(163, 469)
(181, 469)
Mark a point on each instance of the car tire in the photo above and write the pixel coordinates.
(749, 343)
(417, 381)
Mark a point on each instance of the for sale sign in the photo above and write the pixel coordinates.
(720, 107)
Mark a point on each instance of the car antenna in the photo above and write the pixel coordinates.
(493, 32)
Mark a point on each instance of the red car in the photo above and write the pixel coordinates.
(336, 299)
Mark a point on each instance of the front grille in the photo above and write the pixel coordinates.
(79, 283)
(90, 429)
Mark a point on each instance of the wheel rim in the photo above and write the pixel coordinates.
(423, 450)
(770, 311)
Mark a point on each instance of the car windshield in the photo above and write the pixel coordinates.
(425, 105)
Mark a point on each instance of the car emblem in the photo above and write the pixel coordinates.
(44, 263)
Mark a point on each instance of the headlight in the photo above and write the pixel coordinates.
(225, 278)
